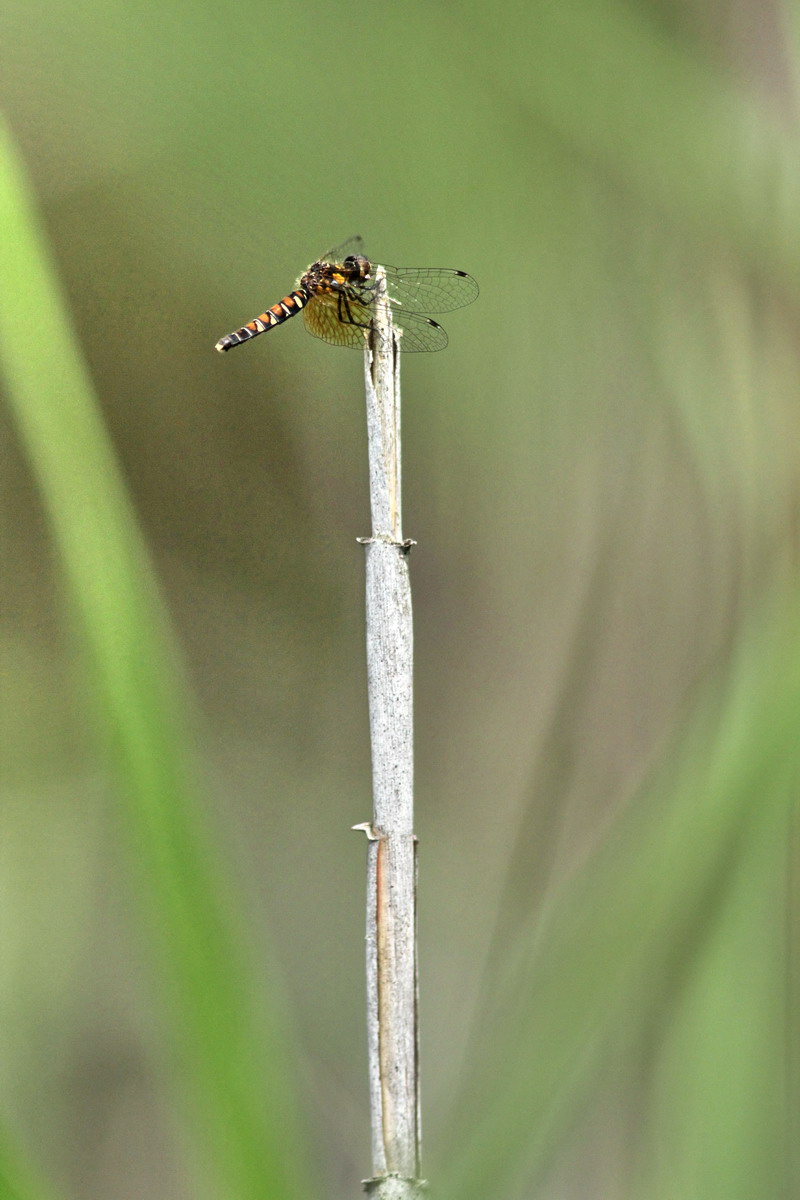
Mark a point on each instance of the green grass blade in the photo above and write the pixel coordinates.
(231, 1059)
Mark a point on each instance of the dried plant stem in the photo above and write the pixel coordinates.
(391, 881)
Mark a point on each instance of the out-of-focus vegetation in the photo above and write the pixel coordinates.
(601, 472)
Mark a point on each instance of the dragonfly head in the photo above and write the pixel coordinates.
(359, 266)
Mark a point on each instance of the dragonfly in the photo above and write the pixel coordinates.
(336, 296)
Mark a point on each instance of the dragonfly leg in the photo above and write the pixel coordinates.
(344, 313)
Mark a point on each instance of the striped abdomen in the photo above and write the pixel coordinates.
(280, 312)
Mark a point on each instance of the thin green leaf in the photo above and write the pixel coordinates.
(237, 1081)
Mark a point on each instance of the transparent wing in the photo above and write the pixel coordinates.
(419, 333)
(353, 245)
(419, 289)
(429, 289)
(321, 316)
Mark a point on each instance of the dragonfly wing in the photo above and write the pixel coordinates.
(321, 316)
(353, 246)
(419, 333)
(430, 289)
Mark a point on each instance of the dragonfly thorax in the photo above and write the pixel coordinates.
(326, 277)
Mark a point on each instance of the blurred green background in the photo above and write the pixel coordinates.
(602, 476)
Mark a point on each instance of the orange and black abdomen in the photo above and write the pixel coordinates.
(280, 312)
